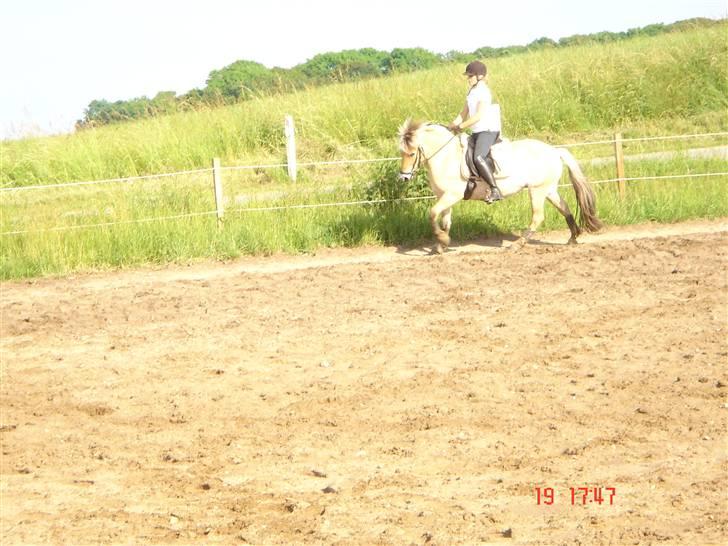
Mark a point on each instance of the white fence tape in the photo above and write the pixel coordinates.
(109, 224)
(321, 205)
(317, 205)
(106, 181)
(317, 164)
(639, 139)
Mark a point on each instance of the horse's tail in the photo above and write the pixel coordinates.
(585, 199)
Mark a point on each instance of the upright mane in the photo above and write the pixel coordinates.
(407, 134)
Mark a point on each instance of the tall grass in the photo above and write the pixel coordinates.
(670, 84)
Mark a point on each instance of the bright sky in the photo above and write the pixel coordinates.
(56, 56)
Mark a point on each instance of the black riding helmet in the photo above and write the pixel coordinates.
(475, 68)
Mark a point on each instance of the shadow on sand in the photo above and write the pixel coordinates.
(501, 241)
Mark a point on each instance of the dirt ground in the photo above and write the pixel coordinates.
(376, 396)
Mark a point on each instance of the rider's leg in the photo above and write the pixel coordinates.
(487, 175)
(472, 181)
(483, 143)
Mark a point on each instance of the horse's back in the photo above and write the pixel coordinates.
(527, 161)
(527, 146)
(510, 154)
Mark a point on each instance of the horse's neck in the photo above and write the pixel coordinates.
(440, 142)
(444, 153)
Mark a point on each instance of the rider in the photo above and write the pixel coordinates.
(482, 116)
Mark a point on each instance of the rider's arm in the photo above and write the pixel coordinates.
(459, 119)
(476, 117)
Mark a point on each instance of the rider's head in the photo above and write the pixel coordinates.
(476, 69)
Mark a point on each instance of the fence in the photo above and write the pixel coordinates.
(216, 171)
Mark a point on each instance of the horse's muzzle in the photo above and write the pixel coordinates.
(405, 176)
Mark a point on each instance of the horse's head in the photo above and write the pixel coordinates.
(418, 143)
(409, 149)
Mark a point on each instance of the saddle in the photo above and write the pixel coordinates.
(496, 154)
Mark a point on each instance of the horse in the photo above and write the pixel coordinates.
(524, 163)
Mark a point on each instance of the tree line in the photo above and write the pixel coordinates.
(244, 80)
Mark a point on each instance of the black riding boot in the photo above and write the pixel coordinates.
(487, 174)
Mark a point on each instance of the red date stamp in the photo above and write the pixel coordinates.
(579, 495)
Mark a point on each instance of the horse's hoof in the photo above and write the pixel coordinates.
(572, 241)
(443, 241)
(518, 244)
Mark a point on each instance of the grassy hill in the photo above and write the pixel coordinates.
(676, 81)
(670, 84)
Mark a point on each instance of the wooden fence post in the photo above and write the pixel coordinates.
(290, 147)
(217, 181)
(619, 158)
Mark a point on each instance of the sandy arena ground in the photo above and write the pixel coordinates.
(376, 396)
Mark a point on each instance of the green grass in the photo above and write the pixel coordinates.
(667, 85)
(129, 242)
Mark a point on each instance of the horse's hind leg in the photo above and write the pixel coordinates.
(563, 207)
(538, 198)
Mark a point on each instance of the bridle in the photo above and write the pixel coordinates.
(418, 154)
(421, 157)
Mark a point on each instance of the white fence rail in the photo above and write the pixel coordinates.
(292, 167)
(105, 181)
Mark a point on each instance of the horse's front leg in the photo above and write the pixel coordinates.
(446, 220)
(443, 210)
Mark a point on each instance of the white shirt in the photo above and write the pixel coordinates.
(491, 120)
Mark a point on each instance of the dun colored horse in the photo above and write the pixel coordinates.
(522, 164)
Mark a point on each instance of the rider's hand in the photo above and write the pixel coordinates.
(455, 128)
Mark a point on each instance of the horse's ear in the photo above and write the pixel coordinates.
(405, 127)
(405, 134)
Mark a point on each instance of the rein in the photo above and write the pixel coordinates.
(449, 140)
(420, 153)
